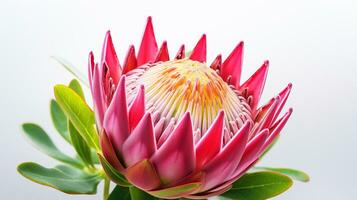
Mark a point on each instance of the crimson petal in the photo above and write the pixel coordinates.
(110, 58)
(98, 96)
(148, 47)
(217, 63)
(175, 159)
(232, 66)
(251, 152)
(181, 53)
(143, 175)
(163, 54)
(277, 127)
(116, 117)
(255, 84)
(130, 60)
(200, 51)
(137, 108)
(211, 143)
(141, 143)
(227, 160)
(109, 152)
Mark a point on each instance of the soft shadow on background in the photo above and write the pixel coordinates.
(309, 43)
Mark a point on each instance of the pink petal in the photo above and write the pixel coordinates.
(235, 178)
(200, 50)
(130, 60)
(110, 58)
(217, 63)
(109, 152)
(232, 66)
(265, 116)
(137, 108)
(116, 117)
(158, 128)
(165, 134)
(90, 68)
(143, 175)
(181, 53)
(251, 152)
(98, 96)
(141, 143)
(276, 128)
(148, 47)
(163, 54)
(175, 159)
(284, 97)
(211, 143)
(255, 84)
(227, 160)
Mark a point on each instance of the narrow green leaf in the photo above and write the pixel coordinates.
(120, 192)
(292, 173)
(258, 186)
(59, 120)
(71, 69)
(80, 145)
(77, 140)
(114, 174)
(79, 113)
(40, 139)
(64, 178)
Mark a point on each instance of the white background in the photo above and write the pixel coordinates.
(309, 43)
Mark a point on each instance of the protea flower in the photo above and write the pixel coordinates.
(181, 127)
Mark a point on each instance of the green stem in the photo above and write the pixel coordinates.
(106, 188)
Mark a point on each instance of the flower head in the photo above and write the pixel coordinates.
(181, 127)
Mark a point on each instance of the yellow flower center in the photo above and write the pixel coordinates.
(175, 87)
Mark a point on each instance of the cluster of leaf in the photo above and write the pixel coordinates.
(75, 122)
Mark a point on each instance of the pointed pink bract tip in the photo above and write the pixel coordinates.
(148, 47)
(290, 110)
(266, 63)
(221, 113)
(199, 53)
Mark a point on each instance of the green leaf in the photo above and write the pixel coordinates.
(94, 155)
(76, 86)
(114, 174)
(129, 193)
(64, 178)
(292, 173)
(59, 120)
(80, 145)
(79, 113)
(258, 186)
(39, 138)
(71, 69)
(120, 192)
(77, 140)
